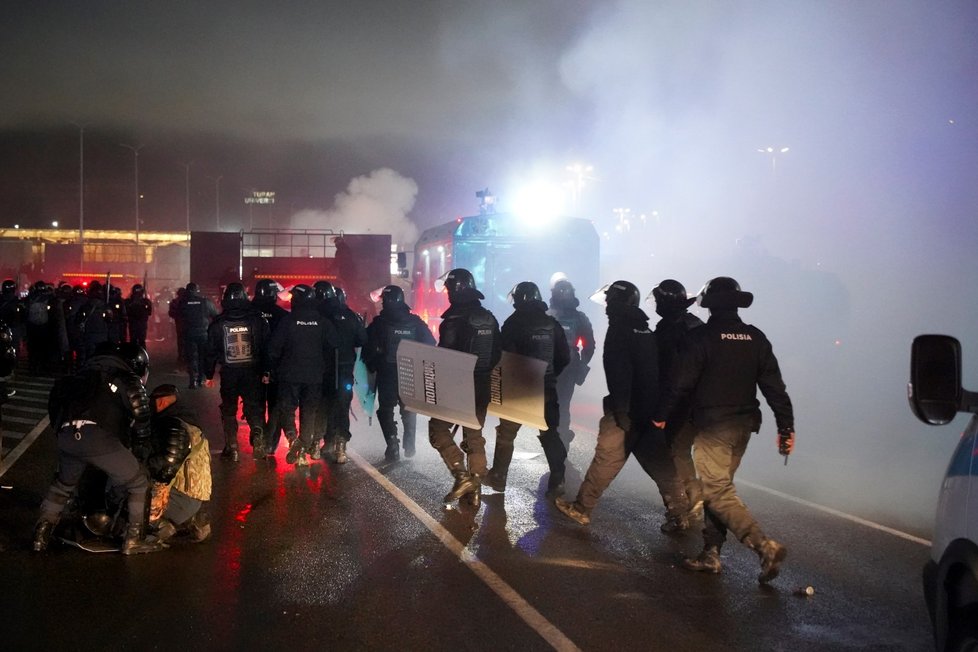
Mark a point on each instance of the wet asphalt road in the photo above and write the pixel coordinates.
(360, 556)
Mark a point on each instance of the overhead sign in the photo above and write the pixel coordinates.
(517, 390)
(437, 382)
(260, 197)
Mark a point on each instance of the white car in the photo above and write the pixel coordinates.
(951, 575)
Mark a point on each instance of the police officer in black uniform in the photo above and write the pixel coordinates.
(298, 353)
(721, 366)
(196, 313)
(631, 369)
(41, 326)
(338, 382)
(8, 360)
(91, 320)
(530, 331)
(117, 316)
(580, 343)
(102, 418)
(467, 326)
(266, 303)
(12, 311)
(138, 309)
(395, 322)
(236, 339)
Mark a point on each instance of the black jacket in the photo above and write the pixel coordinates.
(467, 326)
(530, 331)
(196, 312)
(578, 332)
(631, 366)
(721, 365)
(394, 323)
(236, 338)
(270, 310)
(350, 331)
(302, 346)
(669, 334)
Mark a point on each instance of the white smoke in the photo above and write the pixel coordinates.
(378, 202)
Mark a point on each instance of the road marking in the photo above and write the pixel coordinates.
(547, 630)
(835, 512)
(21, 420)
(24, 444)
(24, 408)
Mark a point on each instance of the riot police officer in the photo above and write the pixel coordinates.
(91, 320)
(138, 309)
(467, 326)
(12, 311)
(298, 353)
(530, 331)
(236, 339)
(580, 344)
(338, 382)
(92, 412)
(117, 316)
(8, 360)
(196, 312)
(395, 322)
(266, 303)
(721, 366)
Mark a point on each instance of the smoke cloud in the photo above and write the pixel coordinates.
(378, 202)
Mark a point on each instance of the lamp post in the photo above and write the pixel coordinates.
(186, 167)
(217, 198)
(773, 152)
(81, 185)
(135, 153)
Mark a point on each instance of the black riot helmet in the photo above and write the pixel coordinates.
(391, 295)
(266, 288)
(302, 295)
(134, 356)
(622, 292)
(340, 295)
(524, 292)
(670, 297)
(457, 280)
(724, 293)
(234, 292)
(96, 290)
(324, 291)
(9, 286)
(193, 288)
(138, 290)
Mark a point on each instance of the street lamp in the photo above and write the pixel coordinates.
(773, 152)
(135, 152)
(81, 185)
(186, 167)
(581, 173)
(54, 224)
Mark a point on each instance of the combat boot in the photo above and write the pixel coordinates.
(465, 483)
(340, 450)
(165, 530)
(555, 486)
(136, 542)
(707, 561)
(772, 554)
(473, 498)
(230, 452)
(42, 535)
(295, 451)
(393, 451)
(496, 479)
(316, 453)
(200, 527)
(572, 511)
(674, 524)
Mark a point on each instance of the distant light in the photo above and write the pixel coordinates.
(54, 224)
(16, 226)
(539, 202)
(441, 249)
(424, 253)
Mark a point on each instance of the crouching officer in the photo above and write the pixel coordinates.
(720, 368)
(236, 338)
(467, 326)
(530, 331)
(95, 409)
(395, 322)
(180, 467)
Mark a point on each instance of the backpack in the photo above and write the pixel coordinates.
(37, 311)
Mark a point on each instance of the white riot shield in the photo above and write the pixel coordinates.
(517, 390)
(437, 382)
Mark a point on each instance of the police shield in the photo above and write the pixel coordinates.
(365, 388)
(437, 382)
(517, 390)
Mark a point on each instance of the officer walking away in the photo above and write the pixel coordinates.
(530, 331)
(41, 328)
(196, 313)
(180, 467)
(395, 322)
(236, 339)
(720, 368)
(266, 303)
(174, 312)
(92, 322)
(467, 326)
(117, 316)
(580, 343)
(630, 360)
(93, 411)
(338, 382)
(298, 352)
(139, 309)
(672, 304)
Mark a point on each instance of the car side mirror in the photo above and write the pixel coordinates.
(934, 391)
